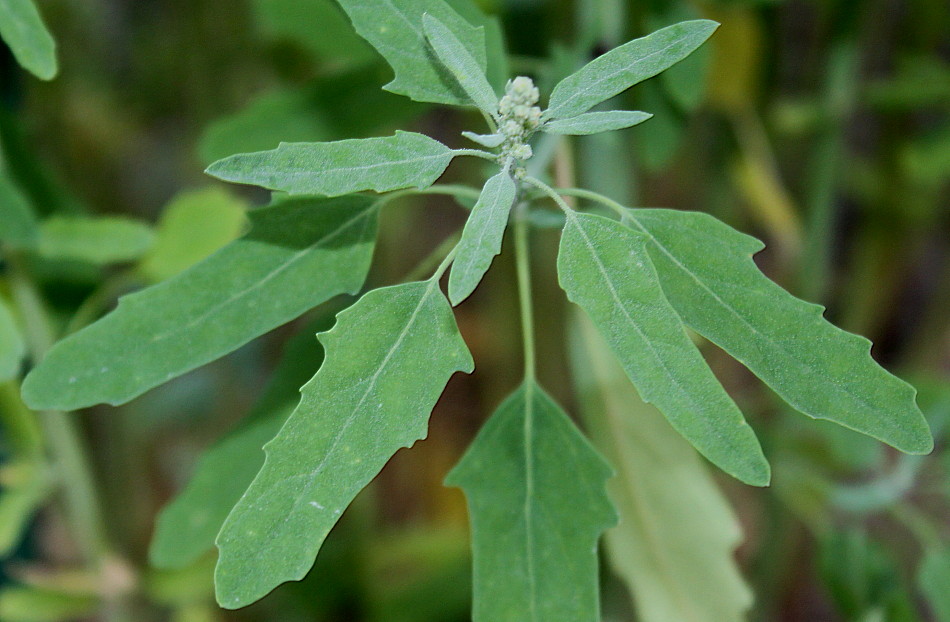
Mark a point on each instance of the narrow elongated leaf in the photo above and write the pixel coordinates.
(395, 30)
(481, 237)
(388, 360)
(12, 347)
(538, 504)
(675, 544)
(485, 140)
(341, 167)
(298, 254)
(22, 28)
(707, 273)
(604, 267)
(18, 225)
(595, 122)
(624, 66)
(97, 241)
(187, 526)
(933, 579)
(461, 64)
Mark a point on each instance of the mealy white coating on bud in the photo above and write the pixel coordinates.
(519, 116)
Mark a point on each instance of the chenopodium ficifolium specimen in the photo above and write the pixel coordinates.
(535, 486)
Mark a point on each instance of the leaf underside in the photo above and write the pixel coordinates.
(675, 544)
(461, 64)
(626, 65)
(604, 268)
(538, 504)
(395, 30)
(298, 254)
(388, 359)
(708, 275)
(336, 168)
(31, 43)
(596, 122)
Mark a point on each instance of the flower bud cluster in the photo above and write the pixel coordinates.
(519, 117)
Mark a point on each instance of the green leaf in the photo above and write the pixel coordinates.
(187, 527)
(461, 64)
(247, 288)
(12, 347)
(293, 20)
(622, 67)
(194, 225)
(18, 225)
(481, 238)
(28, 604)
(604, 267)
(395, 30)
(538, 504)
(933, 579)
(388, 360)
(710, 279)
(594, 122)
(22, 28)
(341, 167)
(485, 140)
(98, 241)
(675, 544)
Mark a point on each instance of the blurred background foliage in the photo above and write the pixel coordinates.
(820, 126)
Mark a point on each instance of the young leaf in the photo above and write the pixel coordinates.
(485, 140)
(187, 526)
(595, 122)
(12, 347)
(247, 288)
(675, 544)
(481, 237)
(22, 28)
(341, 167)
(710, 279)
(538, 504)
(194, 225)
(604, 267)
(388, 360)
(395, 30)
(97, 241)
(461, 64)
(624, 66)
(18, 225)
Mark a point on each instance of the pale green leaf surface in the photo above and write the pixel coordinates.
(485, 140)
(538, 504)
(187, 527)
(395, 30)
(337, 168)
(194, 225)
(22, 28)
(685, 81)
(595, 122)
(496, 53)
(707, 273)
(675, 544)
(605, 269)
(98, 241)
(298, 254)
(18, 224)
(12, 347)
(625, 66)
(461, 64)
(388, 359)
(482, 235)
(934, 581)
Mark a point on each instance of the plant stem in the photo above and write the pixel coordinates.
(549, 191)
(523, 263)
(593, 196)
(429, 262)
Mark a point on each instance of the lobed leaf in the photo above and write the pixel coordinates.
(22, 28)
(710, 279)
(675, 544)
(387, 361)
(98, 241)
(625, 66)
(595, 122)
(482, 235)
(395, 30)
(461, 64)
(187, 527)
(337, 168)
(605, 269)
(538, 504)
(12, 346)
(298, 254)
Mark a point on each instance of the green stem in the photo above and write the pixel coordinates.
(550, 192)
(455, 190)
(593, 196)
(523, 263)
